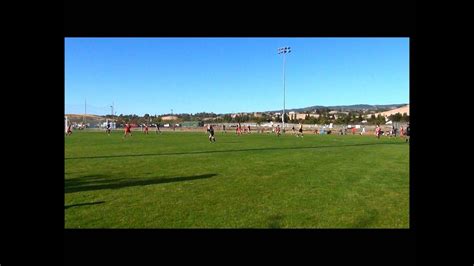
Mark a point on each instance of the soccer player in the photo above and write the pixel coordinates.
(108, 129)
(402, 132)
(223, 128)
(127, 130)
(300, 131)
(211, 134)
(249, 129)
(69, 131)
(158, 128)
(278, 130)
(353, 130)
(146, 129)
(377, 131)
(408, 134)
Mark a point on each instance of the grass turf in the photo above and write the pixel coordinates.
(180, 180)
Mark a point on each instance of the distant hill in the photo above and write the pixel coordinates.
(80, 116)
(89, 118)
(379, 108)
(354, 107)
(401, 110)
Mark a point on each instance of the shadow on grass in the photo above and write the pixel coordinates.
(367, 220)
(98, 182)
(274, 221)
(239, 150)
(84, 204)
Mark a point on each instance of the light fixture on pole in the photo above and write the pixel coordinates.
(284, 51)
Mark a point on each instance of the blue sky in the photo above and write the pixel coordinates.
(225, 75)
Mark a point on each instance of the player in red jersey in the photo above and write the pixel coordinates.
(127, 130)
(69, 131)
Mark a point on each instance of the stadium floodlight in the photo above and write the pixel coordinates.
(284, 51)
(85, 112)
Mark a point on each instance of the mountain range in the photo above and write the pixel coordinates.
(354, 107)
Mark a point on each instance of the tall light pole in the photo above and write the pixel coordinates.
(284, 51)
(85, 112)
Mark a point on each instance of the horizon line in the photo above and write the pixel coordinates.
(268, 111)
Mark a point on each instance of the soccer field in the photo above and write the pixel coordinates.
(181, 180)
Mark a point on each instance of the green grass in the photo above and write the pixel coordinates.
(180, 180)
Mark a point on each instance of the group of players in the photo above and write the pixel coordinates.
(238, 131)
(393, 132)
(128, 129)
(210, 129)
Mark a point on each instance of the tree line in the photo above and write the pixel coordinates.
(324, 118)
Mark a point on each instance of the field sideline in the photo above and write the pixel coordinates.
(180, 180)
